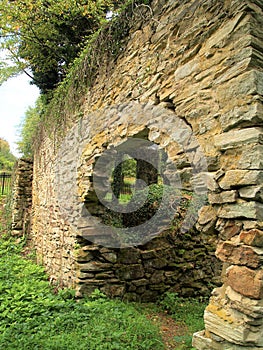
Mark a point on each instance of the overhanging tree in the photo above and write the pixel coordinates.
(44, 36)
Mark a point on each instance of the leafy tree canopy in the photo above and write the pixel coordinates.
(44, 36)
(7, 159)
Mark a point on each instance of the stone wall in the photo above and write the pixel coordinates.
(22, 197)
(190, 73)
(234, 317)
(181, 263)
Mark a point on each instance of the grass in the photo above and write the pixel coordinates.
(4, 192)
(33, 317)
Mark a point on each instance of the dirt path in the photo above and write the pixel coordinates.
(169, 329)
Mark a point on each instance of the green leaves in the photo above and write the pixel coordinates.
(46, 36)
(7, 159)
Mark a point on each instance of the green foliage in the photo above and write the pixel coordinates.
(32, 317)
(154, 198)
(64, 44)
(29, 127)
(8, 71)
(129, 168)
(46, 36)
(100, 51)
(151, 204)
(7, 159)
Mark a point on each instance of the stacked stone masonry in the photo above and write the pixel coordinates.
(22, 197)
(186, 67)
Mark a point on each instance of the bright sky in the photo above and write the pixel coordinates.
(16, 95)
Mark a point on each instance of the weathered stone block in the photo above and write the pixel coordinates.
(239, 254)
(245, 115)
(253, 237)
(84, 275)
(252, 224)
(157, 263)
(82, 256)
(250, 307)
(110, 257)
(157, 277)
(113, 290)
(251, 157)
(204, 341)
(230, 326)
(252, 192)
(206, 214)
(186, 70)
(245, 281)
(233, 139)
(223, 33)
(129, 256)
(223, 197)
(131, 272)
(228, 228)
(238, 178)
(94, 266)
(249, 210)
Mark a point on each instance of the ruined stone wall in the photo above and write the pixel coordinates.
(234, 317)
(22, 197)
(191, 74)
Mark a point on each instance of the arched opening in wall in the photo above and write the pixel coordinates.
(143, 189)
(131, 171)
(134, 185)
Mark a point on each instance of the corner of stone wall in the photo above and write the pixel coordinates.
(22, 197)
(234, 316)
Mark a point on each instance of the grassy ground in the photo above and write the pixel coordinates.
(33, 317)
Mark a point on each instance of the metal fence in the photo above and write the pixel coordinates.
(5, 183)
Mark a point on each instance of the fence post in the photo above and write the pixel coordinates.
(3, 183)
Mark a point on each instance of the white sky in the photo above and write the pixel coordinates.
(16, 95)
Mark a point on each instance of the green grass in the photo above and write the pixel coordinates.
(4, 192)
(33, 317)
